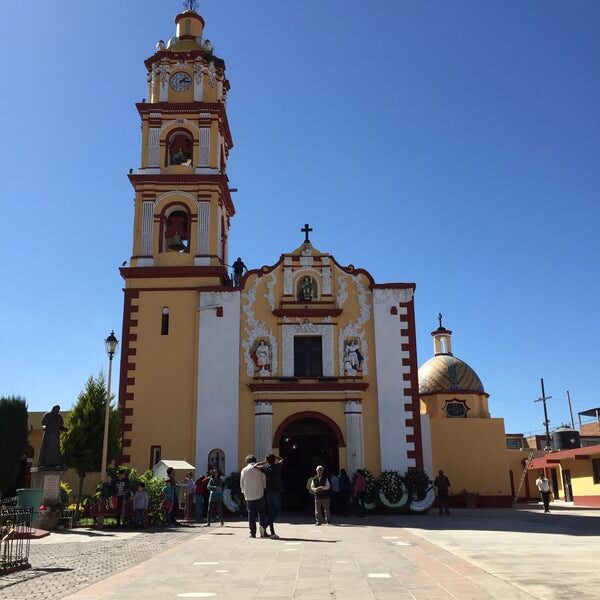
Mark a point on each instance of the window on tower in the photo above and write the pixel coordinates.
(176, 237)
(164, 323)
(456, 408)
(180, 146)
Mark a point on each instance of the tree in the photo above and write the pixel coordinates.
(81, 444)
(13, 438)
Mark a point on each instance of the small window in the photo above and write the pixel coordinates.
(456, 409)
(308, 356)
(514, 443)
(164, 323)
(155, 453)
(596, 469)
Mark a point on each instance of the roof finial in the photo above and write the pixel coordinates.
(440, 320)
(190, 5)
(306, 230)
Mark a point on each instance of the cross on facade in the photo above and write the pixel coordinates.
(306, 229)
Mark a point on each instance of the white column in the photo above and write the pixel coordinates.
(147, 227)
(355, 441)
(153, 146)
(203, 226)
(198, 82)
(263, 429)
(204, 147)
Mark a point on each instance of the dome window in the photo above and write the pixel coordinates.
(456, 409)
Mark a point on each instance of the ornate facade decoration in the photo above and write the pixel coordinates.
(307, 328)
(255, 330)
(342, 292)
(354, 329)
(270, 293)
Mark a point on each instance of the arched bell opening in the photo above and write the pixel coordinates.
(180, 148)
(175, 224)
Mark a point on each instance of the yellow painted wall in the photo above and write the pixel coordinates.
(165, 376)
(472, 453)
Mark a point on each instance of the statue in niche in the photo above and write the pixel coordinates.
(306, 289)
(52, 424)
(352, 357)
(262, 357)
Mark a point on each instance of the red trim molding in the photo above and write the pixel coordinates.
(153, 272)
(308, 414)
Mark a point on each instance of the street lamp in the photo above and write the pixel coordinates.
(111, 343)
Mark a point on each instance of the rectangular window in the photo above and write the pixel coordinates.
(596, 469)
(308, 356)
(513, 444)
(155, 453)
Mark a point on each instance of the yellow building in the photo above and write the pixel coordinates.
(460, 436)
(306, 357)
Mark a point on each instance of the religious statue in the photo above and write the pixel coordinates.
(352, 357)
(306, 291)
(262, 358)
(52, 424)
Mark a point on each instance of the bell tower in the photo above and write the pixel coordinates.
(183, 203)
(182, 215)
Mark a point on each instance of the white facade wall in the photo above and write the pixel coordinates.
(217, 403)
(390, 334)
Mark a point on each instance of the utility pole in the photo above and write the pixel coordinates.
(570, 409)
(546, 422)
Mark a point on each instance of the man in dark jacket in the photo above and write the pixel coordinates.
(442, 485)
(121, 488)
(321, 489)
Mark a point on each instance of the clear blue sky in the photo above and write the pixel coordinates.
(454, 144)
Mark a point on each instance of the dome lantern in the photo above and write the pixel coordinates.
(442, 344)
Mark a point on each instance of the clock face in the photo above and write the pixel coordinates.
(181, 81)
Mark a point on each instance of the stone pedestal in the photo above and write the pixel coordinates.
(49, 481)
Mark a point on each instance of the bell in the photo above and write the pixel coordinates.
(176, 243)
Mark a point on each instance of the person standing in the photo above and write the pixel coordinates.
(121, 488)
(253, 483)
(334, 484)
(543, 485)
(141, 500)
(360, 491)
(271, 467)
(442, 485)
(199, 493)
(169, 495)
(190, 487)
(345, 488)
(215, 501)
(175, 504)
(321, 489)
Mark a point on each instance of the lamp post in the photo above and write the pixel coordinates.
(111, 343)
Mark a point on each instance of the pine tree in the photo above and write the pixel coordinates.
(81, 444)
(13, 439)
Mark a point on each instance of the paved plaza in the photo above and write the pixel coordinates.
(472, 554)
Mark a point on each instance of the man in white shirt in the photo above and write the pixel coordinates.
(543, 485)
(253, 483)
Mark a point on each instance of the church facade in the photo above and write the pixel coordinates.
(307, 357)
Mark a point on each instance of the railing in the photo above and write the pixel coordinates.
(15, 535)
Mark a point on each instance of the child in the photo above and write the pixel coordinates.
(140, 504)
(169, 494)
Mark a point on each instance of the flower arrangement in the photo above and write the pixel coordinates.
(372, 488)
(418, 483)
(392, 488)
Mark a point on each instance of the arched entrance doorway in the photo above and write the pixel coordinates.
(305, 441)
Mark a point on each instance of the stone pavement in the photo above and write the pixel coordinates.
(473, 554)
(67, 561)
(361, 560)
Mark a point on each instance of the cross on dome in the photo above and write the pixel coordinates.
(190, 5)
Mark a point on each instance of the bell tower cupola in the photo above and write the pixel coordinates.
(442, 344)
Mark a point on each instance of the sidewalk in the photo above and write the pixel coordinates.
(362, 560)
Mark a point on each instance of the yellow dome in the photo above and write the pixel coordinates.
(446, 373)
